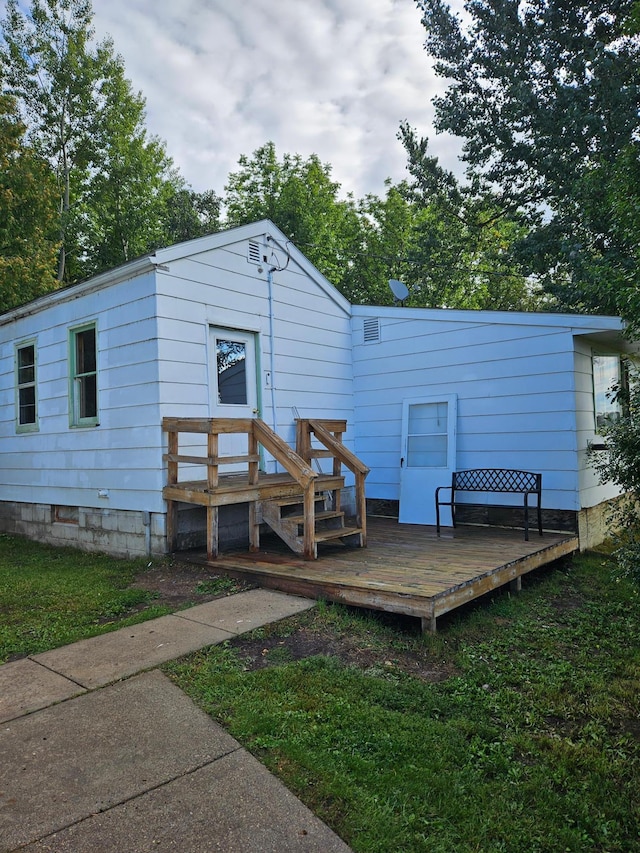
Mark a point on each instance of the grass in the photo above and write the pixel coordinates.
(53, 596)
(530, 744)
(527, 738)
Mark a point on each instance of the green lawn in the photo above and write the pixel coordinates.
(53, 596)
(530, 743)
(515, 728)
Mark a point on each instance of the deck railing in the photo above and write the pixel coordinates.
(329, 433)
(214, 492)
(258, 433)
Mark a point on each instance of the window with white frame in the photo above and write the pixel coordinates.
(83, 375)
(608, 377)
(26, 387)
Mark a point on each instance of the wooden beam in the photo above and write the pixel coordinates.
(212, 532)
(210, 460)
(171, 531)
(310, 547)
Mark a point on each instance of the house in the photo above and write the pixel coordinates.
(240, 324)
(441, 390)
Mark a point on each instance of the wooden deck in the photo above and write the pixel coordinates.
(405, 568)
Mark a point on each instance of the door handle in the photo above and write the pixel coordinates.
(401, 461)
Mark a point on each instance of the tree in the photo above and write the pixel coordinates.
(190, 214)
(409, 234)
(124, 194)
(301, 199)
(55, 74)
(27, 215)
(544, 94)
(118, 192)
(387, 229)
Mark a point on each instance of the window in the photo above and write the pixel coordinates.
(427, 435)
(607, 374)
(231, 359)
(26, 397)
(83, 373)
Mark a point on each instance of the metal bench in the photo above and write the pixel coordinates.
(499, 480)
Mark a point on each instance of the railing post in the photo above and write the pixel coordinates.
(171, 531)
(212, 467)
(337, 464)
(309, 539)
(361, 507)
(212, 483)
(303, 440)
(254, 473)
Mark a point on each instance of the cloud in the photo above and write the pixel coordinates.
(330, 77)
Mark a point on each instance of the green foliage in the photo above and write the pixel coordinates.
(55, 74)
(27, 215)
(118, 195)
(301, 199)
(189, 214)
(218, 586)
(448, 258)
(531, 744)
(125, 195)
(545, 97)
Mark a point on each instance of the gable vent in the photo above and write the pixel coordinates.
(254, 256)
(371, 328)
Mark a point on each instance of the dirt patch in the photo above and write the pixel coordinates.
(309, 641)
(177, 584)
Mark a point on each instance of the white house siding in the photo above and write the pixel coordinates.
(514, 382)
(153, 321)
(66, 465)
(312, 370)
(86, 485)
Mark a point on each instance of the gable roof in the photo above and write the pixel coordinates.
(189, 248)
(254, 230)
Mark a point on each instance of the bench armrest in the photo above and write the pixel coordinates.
(439, 489)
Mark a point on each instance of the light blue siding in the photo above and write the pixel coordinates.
(522, 393)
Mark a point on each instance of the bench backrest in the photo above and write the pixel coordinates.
(496, 480)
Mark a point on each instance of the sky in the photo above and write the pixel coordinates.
(328, 77)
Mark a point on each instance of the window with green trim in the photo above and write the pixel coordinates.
(83, 390)
(26, 388)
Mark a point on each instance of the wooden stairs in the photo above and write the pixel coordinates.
(301, 505)
(286, 517)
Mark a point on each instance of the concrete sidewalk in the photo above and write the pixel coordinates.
(99, 754)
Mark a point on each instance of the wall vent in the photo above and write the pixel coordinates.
(371, 328)
(255, 255)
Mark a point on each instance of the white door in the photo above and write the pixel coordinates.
(428, 456)
(234, 388)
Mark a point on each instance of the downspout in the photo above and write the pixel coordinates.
(272, 360)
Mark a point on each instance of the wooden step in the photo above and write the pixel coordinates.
(338, 533)
(324, 515)
(294, 500)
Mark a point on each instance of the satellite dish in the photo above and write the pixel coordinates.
(399, 289)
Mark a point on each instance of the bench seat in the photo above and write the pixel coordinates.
(498, 481)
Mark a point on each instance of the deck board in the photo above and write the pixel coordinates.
(405, 568)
